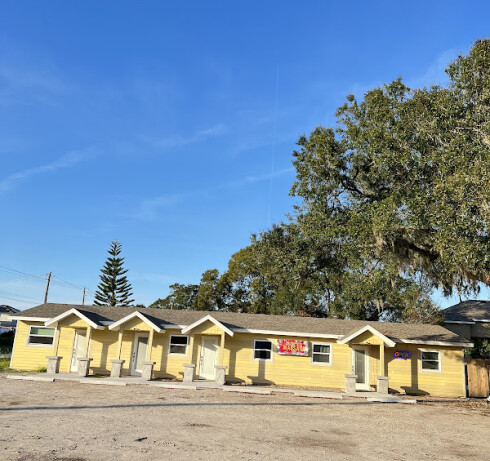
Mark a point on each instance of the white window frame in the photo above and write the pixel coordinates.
(28, 342)
(322, 364)
(186, 346)
(439, 360)
(271, 350)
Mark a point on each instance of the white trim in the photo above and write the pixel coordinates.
(131, 316)
(205, 319)
(322, 364)
(459, 322)
(29, 344)
(271, 350)
(439, 361)
(436, 343)
(186, 346)
(286, 333)
(29, 319)
(373, 331)
(481, 320)
(78, 314)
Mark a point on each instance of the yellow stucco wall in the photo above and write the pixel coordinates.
(405, 375)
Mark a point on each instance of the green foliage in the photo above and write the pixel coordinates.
(405, 179)
(481, 349)
(394, 202)
(114, 288)
(180, 297)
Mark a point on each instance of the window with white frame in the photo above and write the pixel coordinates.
(40, 336)
(178, 345)
(262, 350)
(320, 354)
(430, 361)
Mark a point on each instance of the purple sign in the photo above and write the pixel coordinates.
(402, 355)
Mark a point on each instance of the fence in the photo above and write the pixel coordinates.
(478, 371)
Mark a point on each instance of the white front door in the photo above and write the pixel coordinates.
(138, 356)
(360, 365)
(78, 349)
(209, 354)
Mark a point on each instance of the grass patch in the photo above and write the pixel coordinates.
(5, 365)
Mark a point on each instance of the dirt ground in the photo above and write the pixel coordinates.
(72, 421)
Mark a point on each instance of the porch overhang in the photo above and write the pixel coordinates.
(208, 318)
(117, 325)
(387, 341)
(78, 314)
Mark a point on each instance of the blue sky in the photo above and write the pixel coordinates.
(153, 123)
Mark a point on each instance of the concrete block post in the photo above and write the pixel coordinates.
(382, 384)
(84, 366)
(189, 369)
(147, 371)
(220, 374)
(350, 384)
(116, 369)
(53, 364)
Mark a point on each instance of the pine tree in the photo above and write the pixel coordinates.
(114, 288)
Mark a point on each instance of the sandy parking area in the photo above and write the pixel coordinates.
(68, 420)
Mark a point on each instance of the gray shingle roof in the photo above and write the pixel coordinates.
(236, 321)
(468, 311)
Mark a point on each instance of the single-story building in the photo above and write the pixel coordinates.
(241, 348)
(469, 319)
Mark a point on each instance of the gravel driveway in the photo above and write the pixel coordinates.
(68, 420)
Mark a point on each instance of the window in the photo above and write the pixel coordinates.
(178, 345)
(321, 354)
(262, 350)
(430, 361)
(41, 336)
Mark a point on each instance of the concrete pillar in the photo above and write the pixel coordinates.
(189, 369)
(147, 371)
(84, 366)
(119, 343)
(350, 384)
(220, 374)
(53, 364)
(116, 369)
(382, 384)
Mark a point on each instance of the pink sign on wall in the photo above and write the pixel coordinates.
(292, 347)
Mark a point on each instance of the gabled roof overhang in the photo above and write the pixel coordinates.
(142, 317)
(369, 328)
(79, 314)
(208, 318)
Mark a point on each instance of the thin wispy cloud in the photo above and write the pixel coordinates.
(149, 208)
(174, 141)
(67, 160)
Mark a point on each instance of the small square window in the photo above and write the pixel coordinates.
(321, 354)
(262, 350)
(430, 361)
(178, 345)
(41, 336)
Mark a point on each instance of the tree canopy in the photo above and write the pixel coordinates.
(394, 203)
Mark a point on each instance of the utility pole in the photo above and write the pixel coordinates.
(47, 289)
(83, 298)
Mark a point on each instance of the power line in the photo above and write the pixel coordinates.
(20, 300)
(14, 271)
(22, 296)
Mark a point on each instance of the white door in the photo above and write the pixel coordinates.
(138, 356)
(209, 354)
(360, 365)
(78, 349)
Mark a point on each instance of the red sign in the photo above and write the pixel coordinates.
(292, 347)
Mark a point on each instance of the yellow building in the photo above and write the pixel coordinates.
(241, 348)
